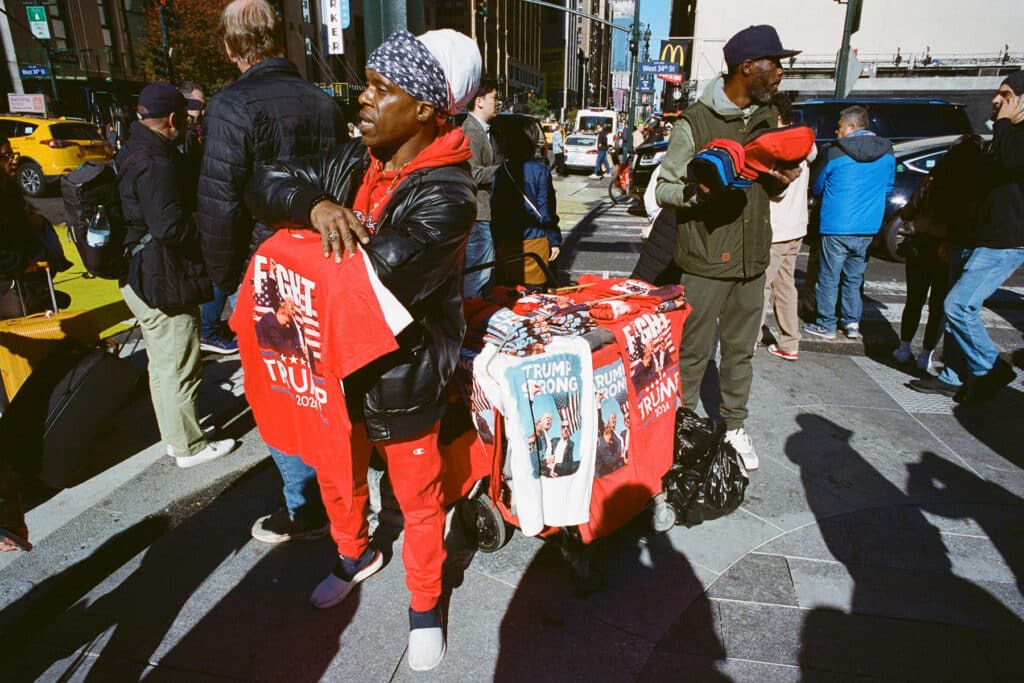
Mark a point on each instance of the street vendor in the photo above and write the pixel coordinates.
(403, 192)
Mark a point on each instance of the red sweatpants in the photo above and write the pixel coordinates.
(415, 468)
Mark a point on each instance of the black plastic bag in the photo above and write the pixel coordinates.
(706, 480)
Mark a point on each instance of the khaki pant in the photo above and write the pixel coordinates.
(734, 306)
(175, 368)
(780, 293)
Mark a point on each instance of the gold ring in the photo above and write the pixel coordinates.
(333, 235)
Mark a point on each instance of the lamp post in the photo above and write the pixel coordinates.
(634, 42)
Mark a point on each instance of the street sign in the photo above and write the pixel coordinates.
(672, 78)
(853, 71)
(645, 84)
(658, 68)
(26, 104)
(331, 11)
(346, 14)
(37, 22)
(34, 71)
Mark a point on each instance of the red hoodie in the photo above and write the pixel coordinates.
(451, 146)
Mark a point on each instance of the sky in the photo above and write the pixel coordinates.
(657, 14)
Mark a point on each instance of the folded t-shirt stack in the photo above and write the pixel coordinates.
(641, 296)
(517, 335)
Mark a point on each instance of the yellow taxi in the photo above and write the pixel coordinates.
(50, 147)
(549, 129)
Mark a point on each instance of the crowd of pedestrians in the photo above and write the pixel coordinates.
(208, 188)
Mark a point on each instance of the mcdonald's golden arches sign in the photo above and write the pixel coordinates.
(676, 51)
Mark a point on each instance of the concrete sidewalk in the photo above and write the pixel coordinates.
(881, 539)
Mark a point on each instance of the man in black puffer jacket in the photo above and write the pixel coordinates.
(166, 278)
(410, 201)
(269, 113)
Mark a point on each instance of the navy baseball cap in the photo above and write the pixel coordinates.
(755, 42)
(158, 100)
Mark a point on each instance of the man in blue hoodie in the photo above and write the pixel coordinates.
(855, 176)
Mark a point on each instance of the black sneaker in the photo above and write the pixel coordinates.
(218, 345)
(280, 527)
(933, 385)
(986, 387)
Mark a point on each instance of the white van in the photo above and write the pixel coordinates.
(587, 121)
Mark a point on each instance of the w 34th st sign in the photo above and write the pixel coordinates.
(659, 68)
(676, 51)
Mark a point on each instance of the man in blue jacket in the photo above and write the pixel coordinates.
(855, 176)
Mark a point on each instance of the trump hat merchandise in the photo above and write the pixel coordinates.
(719, 165)
(769, 149)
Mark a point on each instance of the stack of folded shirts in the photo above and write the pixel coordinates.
(517, 335)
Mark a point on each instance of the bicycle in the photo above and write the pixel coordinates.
(619, 189)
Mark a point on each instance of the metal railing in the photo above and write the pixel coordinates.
(912, 61)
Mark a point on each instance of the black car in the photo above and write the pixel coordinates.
(648, 156)
(914, 161)
(898, 119)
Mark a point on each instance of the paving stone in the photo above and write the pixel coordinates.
(757, 578)
(824, 642)
(931, 597)
(717, 543)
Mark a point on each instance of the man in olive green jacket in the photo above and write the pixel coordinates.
(723, 238)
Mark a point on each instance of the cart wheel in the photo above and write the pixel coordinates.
(483, 524)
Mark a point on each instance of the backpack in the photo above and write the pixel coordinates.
(95, 220)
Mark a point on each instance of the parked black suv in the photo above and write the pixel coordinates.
(895, 118)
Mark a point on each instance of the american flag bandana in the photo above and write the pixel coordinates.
(406, 62)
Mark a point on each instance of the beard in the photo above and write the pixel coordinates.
(761, 94)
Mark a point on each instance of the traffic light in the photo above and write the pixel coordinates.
(481, 8)
(161, 62)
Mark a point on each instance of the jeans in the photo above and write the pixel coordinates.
(479, 249)
(301, 491)
(968, 351)
(210, 314)
(843, 259)
(602, 161)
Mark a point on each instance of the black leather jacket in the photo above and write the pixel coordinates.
(418, 253)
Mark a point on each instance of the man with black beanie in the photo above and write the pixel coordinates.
(973, 371)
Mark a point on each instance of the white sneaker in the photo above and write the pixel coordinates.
(738, 439)
(426, 648)
(213, 450)
(903, 354)
(334, 589)
(594, 176)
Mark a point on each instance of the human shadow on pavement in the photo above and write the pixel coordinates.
(151, 600)
(996, 423)
(955, 492)
(651, 621)
(909, 616)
